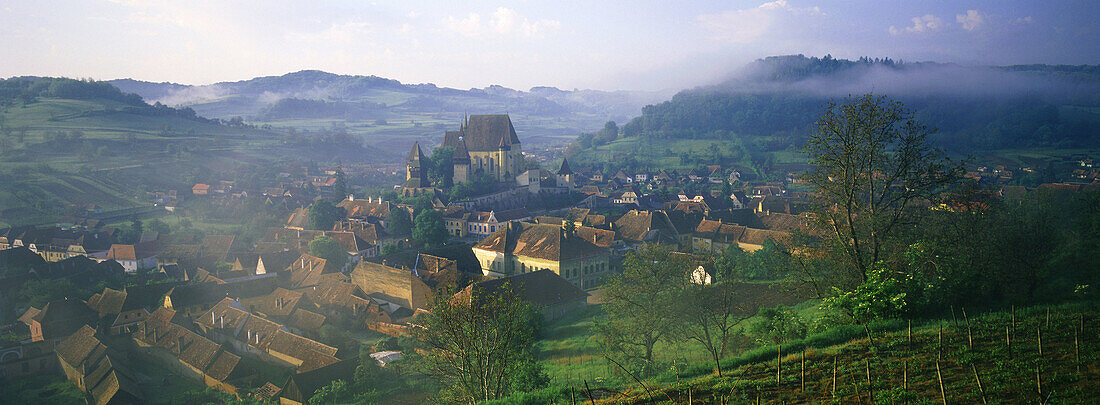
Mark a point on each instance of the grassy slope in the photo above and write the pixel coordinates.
(1008, 376)
(85, 178)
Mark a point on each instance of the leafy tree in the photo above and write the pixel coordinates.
(641, 302)
(872, 163)
(428, 228)
(39, 292)
(327, 248)
(331, 394)
(322, 215)
(398, 222)
(778, 325)
(480, 346)
(442, 167)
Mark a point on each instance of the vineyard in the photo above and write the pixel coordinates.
(1042, 355)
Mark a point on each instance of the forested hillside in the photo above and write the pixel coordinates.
(973, 108)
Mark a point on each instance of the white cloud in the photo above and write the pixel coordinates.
(502, 22)
(414, 14)
(926, 23)
(1024, 20)
(351, 31)
(469, 26)
(746, 25)
(971, 20)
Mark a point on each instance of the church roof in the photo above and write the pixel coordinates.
(565, 169)
(415, 155)
(456, 140)
(486, 133)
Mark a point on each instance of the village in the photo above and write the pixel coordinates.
(224, 313)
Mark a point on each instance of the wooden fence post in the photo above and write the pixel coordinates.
(910, 331)
(981, 390)
(939, 377)
(954, 318)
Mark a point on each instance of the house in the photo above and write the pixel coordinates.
(93, 368)
(187, 353)
(229, 323)
(552, 295)
(200, 189)
(134, 258)
(404, 287)
(637, 226)
(521, 247)
(122, 311)
(481, 224)
(60, 318)
(715, 236)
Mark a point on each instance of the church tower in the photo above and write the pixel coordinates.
(415, 177)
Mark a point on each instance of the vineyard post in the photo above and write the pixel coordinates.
(954, 318)
(1008, 341)
(981, 390)
(910, 331)
(779, 366)
(1048, 318)
(1013, 321)
(855, 383)
(870, 387)
(939, 377)
(834, 378)
(1039, 334)
(1076, 352)
(905, 374)
(802, 369)
(969, 334)
(1039, 381)
(939, 345)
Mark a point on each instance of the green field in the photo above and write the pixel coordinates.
(118, 156)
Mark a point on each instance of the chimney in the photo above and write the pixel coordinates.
(257, 338)
(222, 320)
(212, 320)
(351, 197)
(250, 334)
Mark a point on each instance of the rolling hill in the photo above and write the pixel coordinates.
(391, 114)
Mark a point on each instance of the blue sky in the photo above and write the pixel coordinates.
(642, 45)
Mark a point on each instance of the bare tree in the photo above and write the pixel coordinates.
(872, 164)
(708, 315)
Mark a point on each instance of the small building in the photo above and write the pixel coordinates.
(141, 256)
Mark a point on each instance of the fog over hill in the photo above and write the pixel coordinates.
(380, 98)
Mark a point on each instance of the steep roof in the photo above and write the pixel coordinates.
(539, 241)
(62, 317)
(487, 133)
(542, 288)
(456, 140)
(564, 169)
(305, 320)
(78, 346)
(637, 225)
(416, 155)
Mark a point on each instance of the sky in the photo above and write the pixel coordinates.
(588, 44)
